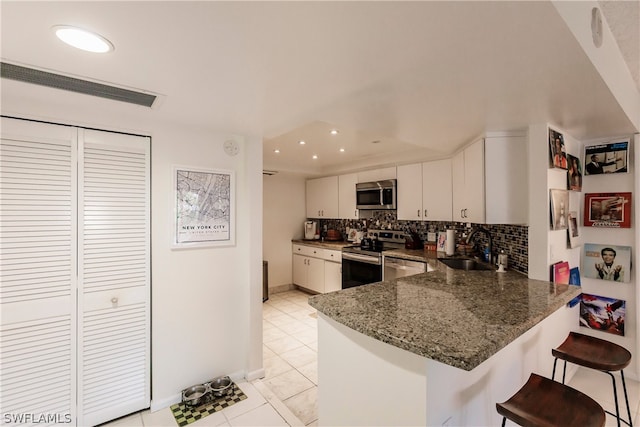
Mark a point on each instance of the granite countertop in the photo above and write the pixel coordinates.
(456, 317)
(326, 244)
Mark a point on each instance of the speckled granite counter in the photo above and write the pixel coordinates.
(336, 246)
(457, 317)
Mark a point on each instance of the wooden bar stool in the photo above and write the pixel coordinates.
(599, 354)
(543, 402)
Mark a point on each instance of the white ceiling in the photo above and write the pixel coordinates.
(422, 78)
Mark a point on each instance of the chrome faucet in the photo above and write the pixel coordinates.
(486, 232)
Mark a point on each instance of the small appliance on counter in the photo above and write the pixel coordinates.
(412, 241)
(310, 229)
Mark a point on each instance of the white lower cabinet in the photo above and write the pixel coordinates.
(317, 269)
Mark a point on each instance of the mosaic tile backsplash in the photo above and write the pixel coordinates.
(513, 239)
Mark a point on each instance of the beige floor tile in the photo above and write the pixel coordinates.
(254, 399)
(264, 415)
(300, 356)
(310, 371)
(273, 334)
(307, 336)
(304, 405)
(133, 420)
(295, 326)
(313, 345)
(267, 352)
(161, 418)
(281, 345)
(288, 384)
(275, 366)
(214, 420)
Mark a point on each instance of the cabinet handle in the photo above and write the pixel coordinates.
(355, 213)
(318, 213)
(461, 214)
(425, 213)
(418, 213)
(465, 213)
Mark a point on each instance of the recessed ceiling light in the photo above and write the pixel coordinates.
(334, 131)
(83, 39)
(315, 156)
(301, 142)
(276, 151)
(342, 150)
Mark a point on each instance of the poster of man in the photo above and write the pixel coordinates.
(557, 151)
(607, 262)
(606, 158)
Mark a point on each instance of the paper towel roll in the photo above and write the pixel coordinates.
(450, 245)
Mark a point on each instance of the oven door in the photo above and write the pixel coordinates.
(360, 270)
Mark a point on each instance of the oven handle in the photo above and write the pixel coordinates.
(362, 258)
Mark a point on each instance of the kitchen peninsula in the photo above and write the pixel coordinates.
(438, 348)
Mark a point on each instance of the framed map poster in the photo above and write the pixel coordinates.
(204, 213)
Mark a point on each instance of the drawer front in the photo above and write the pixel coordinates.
(309, 251)
(330, 255)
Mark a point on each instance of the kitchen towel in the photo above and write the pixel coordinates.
(450, 245)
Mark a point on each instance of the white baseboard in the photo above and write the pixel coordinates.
(158, 404)
(254, 375)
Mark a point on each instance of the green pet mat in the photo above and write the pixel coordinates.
(185, 414)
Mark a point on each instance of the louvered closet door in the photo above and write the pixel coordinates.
(37, 273)
(114, 276)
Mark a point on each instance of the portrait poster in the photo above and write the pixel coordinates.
(559, 209)
(610, 157)
(608, 210)
(574, 173)
(606, 262)
(574, 232)
(204, 208)
(603, 314)
(557, 150)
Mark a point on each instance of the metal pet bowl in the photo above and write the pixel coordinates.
(221, 386)
(194, 395)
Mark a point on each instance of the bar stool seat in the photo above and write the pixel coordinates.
(599, 354)
(543, 402)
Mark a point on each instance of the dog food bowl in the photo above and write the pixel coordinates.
(221, 386)
(194, 395)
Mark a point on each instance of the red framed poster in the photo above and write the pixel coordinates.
(609, 210)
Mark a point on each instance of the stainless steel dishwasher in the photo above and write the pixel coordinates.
(397, 267)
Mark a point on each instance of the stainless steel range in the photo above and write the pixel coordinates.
(362, 264)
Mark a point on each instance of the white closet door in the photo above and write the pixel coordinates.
(114, 276)
(37, 273)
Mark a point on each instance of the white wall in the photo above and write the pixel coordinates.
(206, 303)
(284, 214)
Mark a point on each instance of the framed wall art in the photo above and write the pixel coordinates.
(574, 173)
(610, 157)
(608, 210)
(557, 151)
(204, 213)
(603, 314)
(607, 262)
(559, 209)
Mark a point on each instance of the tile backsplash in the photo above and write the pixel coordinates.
(512, 239)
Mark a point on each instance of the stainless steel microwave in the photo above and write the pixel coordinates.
(376, 195)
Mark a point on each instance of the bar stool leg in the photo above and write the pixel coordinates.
(504, 420)
(615, 396)
(626, 398)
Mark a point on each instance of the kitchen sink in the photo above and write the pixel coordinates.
(465, 264)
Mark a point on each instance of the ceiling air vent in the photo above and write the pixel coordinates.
(58, 81)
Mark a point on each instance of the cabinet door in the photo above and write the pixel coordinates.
(315, 274)
(322, 197)
(377, 174)
(457, 186)
(437, 195)
(410, 192)
(347, 196)
(474, 182)
(332, 276)
(300, 270)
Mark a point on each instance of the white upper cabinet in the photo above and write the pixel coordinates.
(437, 190)
(506, 178)
(424, 191)
(322, 197)
(490, 181)
(409, 192)
(347, 196)
(377, 174)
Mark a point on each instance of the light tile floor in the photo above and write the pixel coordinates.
(287, 396)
